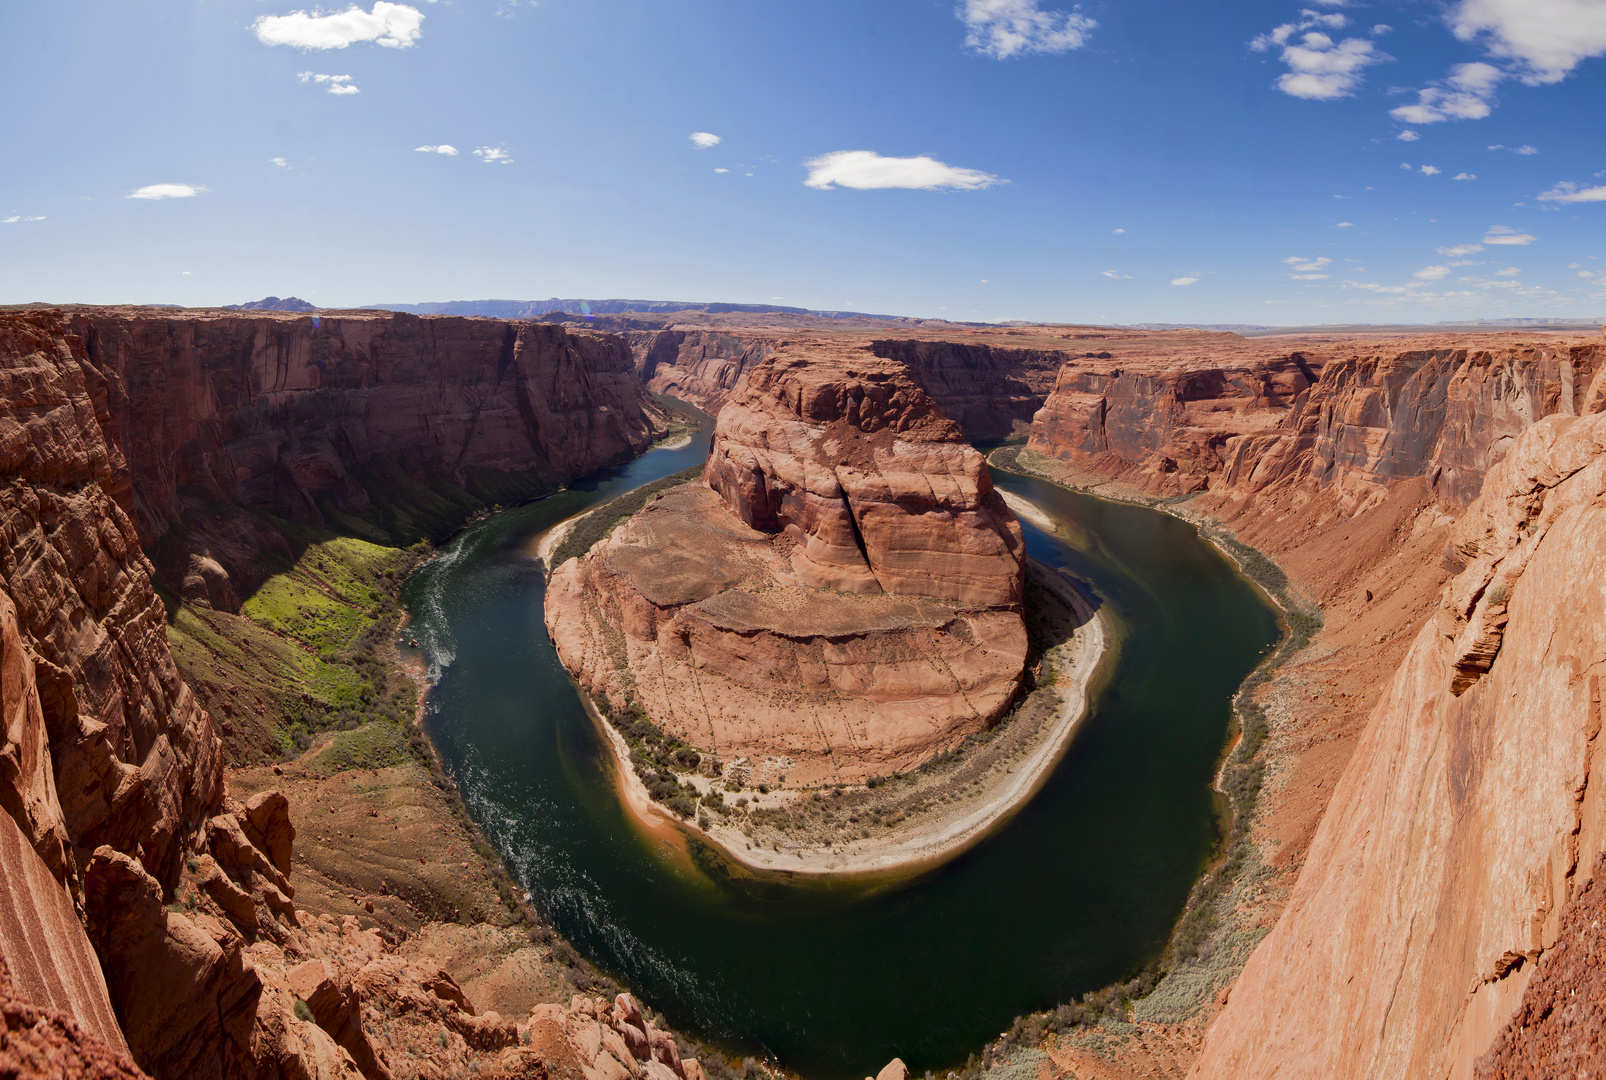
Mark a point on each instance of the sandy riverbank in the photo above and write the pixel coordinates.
(949, 824)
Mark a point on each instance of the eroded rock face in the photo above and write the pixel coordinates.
(843, 594)
(1472, 811)
(312, 418)
(1242, 419)
(849, 456)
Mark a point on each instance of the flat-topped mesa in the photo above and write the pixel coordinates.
(858, 612)
(846, 453)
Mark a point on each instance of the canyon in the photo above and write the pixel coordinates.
(1424, 844)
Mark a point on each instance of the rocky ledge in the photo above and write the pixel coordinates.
(841, 599)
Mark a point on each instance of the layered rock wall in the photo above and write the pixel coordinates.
(841, 598)
(362, 420)
(1347, 421)
(991, 391)
(1471, 811)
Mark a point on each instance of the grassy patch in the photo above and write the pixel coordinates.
(596, 525)
(375, 745)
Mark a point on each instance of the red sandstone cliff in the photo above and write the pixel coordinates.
(847, 596)
(118, 428)
(1471, 811)
(1240, 420)
(391, 423)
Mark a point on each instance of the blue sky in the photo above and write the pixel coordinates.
(1147, 160)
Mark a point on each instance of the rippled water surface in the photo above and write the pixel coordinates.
(1078, 890)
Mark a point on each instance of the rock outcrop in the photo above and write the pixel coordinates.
(36, 1041)
(843, 593)
(1471, 811)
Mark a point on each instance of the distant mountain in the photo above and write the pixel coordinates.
(1230, 328)
(1532, 322)
(534, 309)
(273, 303)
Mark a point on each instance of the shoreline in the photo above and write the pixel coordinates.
(932, 842)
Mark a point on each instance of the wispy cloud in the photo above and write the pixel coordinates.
(395, 26)
(1569, 192)
(1505, 235)
(337, 84)
(704, 140)
(444, 148)
(1467, 94)
(1408, 136)
(1465, 176)
(1344, 225)
(1525, 150)
(279, 161)
(1510, 271)
(1459, 251)
(1303, 269)
(1544, 39)
(1005, 28)
(15, 218)
(166, 191)
(722, 170)
(866, 170)
(1432, 273)
(1117, 277)
(1319, 68)
(1430, 170)
(493, 155)
(1183, 280)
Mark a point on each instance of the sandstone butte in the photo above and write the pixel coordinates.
(842, 591)
(1431, 824)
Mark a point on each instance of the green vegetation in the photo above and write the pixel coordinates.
(657, 758)
(598, 524)
(375, 745)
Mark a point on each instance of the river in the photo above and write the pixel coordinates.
(1078, 890)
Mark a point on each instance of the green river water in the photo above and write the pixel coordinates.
(1078, 890)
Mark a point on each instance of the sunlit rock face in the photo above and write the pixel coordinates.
(842, 594)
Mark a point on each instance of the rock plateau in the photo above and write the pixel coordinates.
(843, 592)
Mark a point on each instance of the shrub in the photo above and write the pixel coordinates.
(304, 1011)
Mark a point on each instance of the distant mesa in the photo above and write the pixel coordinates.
(273, 303)
(534, 309)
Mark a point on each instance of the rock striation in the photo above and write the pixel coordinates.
(843, 592)
(1239, 419)
(1471, 811)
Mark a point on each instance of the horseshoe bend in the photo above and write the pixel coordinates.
(296, 784)
(839, 597)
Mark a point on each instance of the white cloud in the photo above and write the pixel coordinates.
(1117, 232)
(1320, 69)
(1586, 273)
(1468, 94)
(18, 217)
(279, 161)
(338, 84)
(722, 170)
(444, 148)
(493, 155)
(1510, 271)
(1183, 280)
(704, 140)
(1303, 269)
(1432, 273)
(1545, 39)
(866, 169)
(1465, 176)
(1106, 273)
(1408, 136)
(166, 191)
(1502, 234)
(1382, 28)
(1460, 250)
(1430, 170)
(1345, 225)
(1004, 28)
(1526, 151)
(14, 218)
(395, 26)
(1569, 192)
